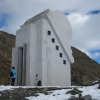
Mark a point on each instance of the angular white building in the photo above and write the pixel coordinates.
(43, 48)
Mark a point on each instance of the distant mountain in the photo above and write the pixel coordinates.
(84, 70)
(7, 41)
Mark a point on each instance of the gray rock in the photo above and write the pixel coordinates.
(73, 98)
(44, 91)
(26, 99)
(80, 96)
(74, 91)
(99, 81)
(99, 86)
(87, 97)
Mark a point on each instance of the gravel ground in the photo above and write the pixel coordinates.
(21, 93)
(16, 94)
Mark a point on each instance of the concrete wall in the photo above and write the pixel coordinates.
(15, 59)
(54, 72)
(42, 58)
(23, 35)
(31, 35)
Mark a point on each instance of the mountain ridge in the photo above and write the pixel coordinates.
(84, 70)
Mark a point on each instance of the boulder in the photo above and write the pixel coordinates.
(87, 97)
(99, 86)
(74, 91)
(80, 96)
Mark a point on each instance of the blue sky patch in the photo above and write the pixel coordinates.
(93, 51)
(97, 59)
(93, 12)
(3, 20)
(66, 13)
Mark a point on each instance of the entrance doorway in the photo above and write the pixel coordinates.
(20, 66)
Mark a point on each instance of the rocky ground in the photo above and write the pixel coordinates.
(21, 93)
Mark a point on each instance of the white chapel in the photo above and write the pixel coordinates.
(43, 48)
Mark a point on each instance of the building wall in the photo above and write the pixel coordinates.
(31, 35)
(42, 58)
(15, 59)
(24, 36)
(54, 72)
(36, 51)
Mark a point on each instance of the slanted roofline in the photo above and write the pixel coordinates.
(61, 27)
(40, 15)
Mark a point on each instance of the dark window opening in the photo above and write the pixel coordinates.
(53, 40)
(57, 47)
(49, 32)
(60, 54)
(64, 62)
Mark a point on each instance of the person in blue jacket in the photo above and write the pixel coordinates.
(13, 76)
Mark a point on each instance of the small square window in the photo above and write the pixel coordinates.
(49, 32)
(60, 54)
(53, 40)
(64, 62)
(57, 47)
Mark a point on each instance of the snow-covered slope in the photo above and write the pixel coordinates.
(60, 94)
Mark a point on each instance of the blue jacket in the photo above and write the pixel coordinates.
(14, 72)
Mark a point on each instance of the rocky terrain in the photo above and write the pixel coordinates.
(7, 41)
(21, 93)
(50, 93)
(83, 71)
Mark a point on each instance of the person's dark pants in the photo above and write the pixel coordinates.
(12, 81)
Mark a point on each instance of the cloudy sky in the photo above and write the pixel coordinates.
(84, 16)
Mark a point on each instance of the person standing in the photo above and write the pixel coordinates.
(13, 76)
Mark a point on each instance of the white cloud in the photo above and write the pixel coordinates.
(86, 33)
(86, 28)
(77, 20)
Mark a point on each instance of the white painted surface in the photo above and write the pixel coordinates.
(15, 59)
(42, 58)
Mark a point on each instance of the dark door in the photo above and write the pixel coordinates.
(20, 66)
